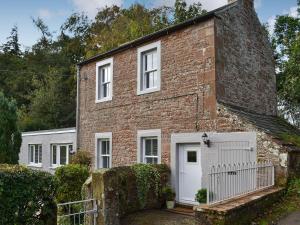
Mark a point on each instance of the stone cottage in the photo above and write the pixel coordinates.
(199, 93)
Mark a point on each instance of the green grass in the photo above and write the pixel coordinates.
(291, 138)
(290, 203)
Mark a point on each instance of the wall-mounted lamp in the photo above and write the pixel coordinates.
(205, 139)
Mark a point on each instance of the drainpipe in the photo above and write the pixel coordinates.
(77, 107)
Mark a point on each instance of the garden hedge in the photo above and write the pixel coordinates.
(70, 179)
(26, 196)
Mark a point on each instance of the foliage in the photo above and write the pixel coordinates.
(147, 177)
(10, 136)
(168, 193)
(294, 187)
(26, 196)
(82, 157)
(184, 12)
(42, 78)
(70, 179)
(286, 44)
(201, 196)
(289, 203)
(294, 139)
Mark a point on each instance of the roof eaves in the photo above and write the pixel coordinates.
(157, 34)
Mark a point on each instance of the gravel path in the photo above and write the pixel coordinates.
(157, 217)
(292, 219)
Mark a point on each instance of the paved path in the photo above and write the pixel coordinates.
(292, 219)
(157, 217)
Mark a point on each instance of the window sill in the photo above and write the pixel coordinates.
(147, 91)
(35, 165)
(103, 100)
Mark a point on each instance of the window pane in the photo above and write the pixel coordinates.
(40, 153)
(151, 160)
(105, 161)
(36, 154)
(54, 153)
(104, 90)
(192, 156)
(154, 147)
(105, 147)
(31, 153)
(63, 155)
(148, 146)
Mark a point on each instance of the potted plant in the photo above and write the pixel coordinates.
(201, 196)
(169, 195)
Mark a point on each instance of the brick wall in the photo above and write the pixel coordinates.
(185, 103)
(245, 69)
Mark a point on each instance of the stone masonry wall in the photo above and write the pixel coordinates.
(245, 69)
(186, 101)
(268, 148)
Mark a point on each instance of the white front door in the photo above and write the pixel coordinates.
(190, 172)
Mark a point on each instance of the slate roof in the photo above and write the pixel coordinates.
(159, 33)
(272, 125)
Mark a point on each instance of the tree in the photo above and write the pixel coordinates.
(184, 12)
(286, 42)
(12, 45)
(10, 136)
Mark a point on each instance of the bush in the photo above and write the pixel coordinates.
(82, 157)
(201, 196)
(70, 179)
(26, 196)
(147, 177)
(168, 193)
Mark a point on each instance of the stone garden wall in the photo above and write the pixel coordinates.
(119, 191)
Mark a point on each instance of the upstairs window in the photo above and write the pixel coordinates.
(104, 78)
(35, 155)
(149, 68)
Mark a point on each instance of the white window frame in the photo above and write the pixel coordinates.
(100, 64)
(99, 136)
(39, 164)
(141, 50)
(141, 136)
(58, 145)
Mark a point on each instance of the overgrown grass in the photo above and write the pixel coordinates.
(290, 203)
(291, 138)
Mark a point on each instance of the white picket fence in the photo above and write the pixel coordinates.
(229, 181)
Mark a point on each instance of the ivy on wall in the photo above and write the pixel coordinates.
(147, 177)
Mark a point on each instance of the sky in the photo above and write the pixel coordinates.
(55, 12)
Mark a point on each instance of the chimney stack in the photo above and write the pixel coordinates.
(245, 3)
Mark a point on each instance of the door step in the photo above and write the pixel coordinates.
(185, 210)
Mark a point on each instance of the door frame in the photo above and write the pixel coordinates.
(182, 158)
(176, 141)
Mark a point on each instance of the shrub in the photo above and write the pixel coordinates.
(82, 157)
(26, 196)
(168, 193)
(201, 196)
(70, 179)
(147, 177)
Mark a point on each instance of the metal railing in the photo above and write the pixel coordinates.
(77, 213)
(229, 181)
